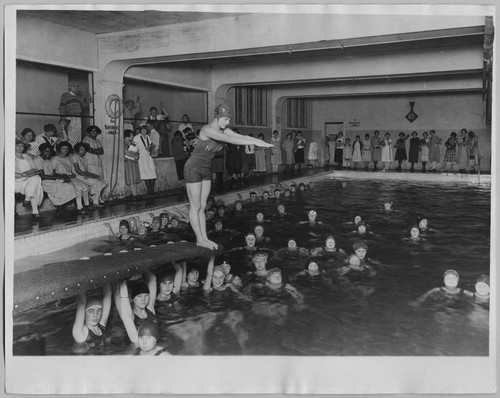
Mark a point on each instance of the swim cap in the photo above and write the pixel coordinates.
(124, 223)
(166, 276)
(484, 279)
(148, 329)
(354, 260)
(249, 234)
(93, 302)
(139, 288)
(222, 110)
(312, 213)
(271, 272)
(219, 202)
(450, 272)
(359, 245)
(219, 269)
(260, 256)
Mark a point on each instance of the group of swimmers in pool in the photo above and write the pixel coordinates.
(141, 303)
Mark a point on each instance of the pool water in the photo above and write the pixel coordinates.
(370, 315)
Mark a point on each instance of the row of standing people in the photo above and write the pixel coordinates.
(462, 150)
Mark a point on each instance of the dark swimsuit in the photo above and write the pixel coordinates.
(199, 165)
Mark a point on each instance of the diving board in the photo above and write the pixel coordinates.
(64, 279)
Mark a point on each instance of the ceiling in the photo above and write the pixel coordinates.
(118, 21)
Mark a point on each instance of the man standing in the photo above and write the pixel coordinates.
(71, 107)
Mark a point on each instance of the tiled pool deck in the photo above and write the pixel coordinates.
(55, 233)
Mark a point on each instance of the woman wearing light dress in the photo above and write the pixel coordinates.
(356, 152)
(462, 158)
(387, 150)
(28, 181)
(276, 150)
(147, 169)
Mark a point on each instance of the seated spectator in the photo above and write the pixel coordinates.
(57, 186)
(28, 181)
(28, 136)
(48, 136)
(95, 184)
(63, 165)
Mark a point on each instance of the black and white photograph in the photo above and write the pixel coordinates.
(275, 198)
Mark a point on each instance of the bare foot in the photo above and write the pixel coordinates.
(207, 243)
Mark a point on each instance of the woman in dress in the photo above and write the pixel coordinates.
(58, 187)
(198, 168)
(401, 149)
(414, 150)
(28, 182)
(299, 150)
(366, 151)
(450, 156)
(473, 151)
(424, 150)
(434, 151)
(276, 151)
(63, 165)
(387, 152)
(462, 159)
(339, 150)
(347, 154)
(95, 184)
(260, 157)
(132, 173)
(376, 149)
(287, 147)
(356, 152)
(147, 169)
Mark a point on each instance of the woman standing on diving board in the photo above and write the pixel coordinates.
(198, 168)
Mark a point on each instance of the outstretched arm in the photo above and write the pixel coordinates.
(233, 138)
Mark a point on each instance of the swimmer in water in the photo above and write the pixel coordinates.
(253, 197)
(123, 229)
(142, 307)
(260, 218)
(388, 206)
(312, 216)
(230, 278)
(168, 286)
(482, 290)
(449, 291)
(414, 235)
(293, 249)
(311, 269)
(302, 187)
(89, 327)
(330, 248)
(148, 336)
(259, 236)
(277, 194)
(192, 278)
(260, 262)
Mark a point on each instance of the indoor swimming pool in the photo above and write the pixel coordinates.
(369, 315)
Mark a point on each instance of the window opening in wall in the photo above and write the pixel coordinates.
(40, 100)
(250, 104)
(296, 113)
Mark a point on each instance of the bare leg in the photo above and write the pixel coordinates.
(194, 192)
(205, 192)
